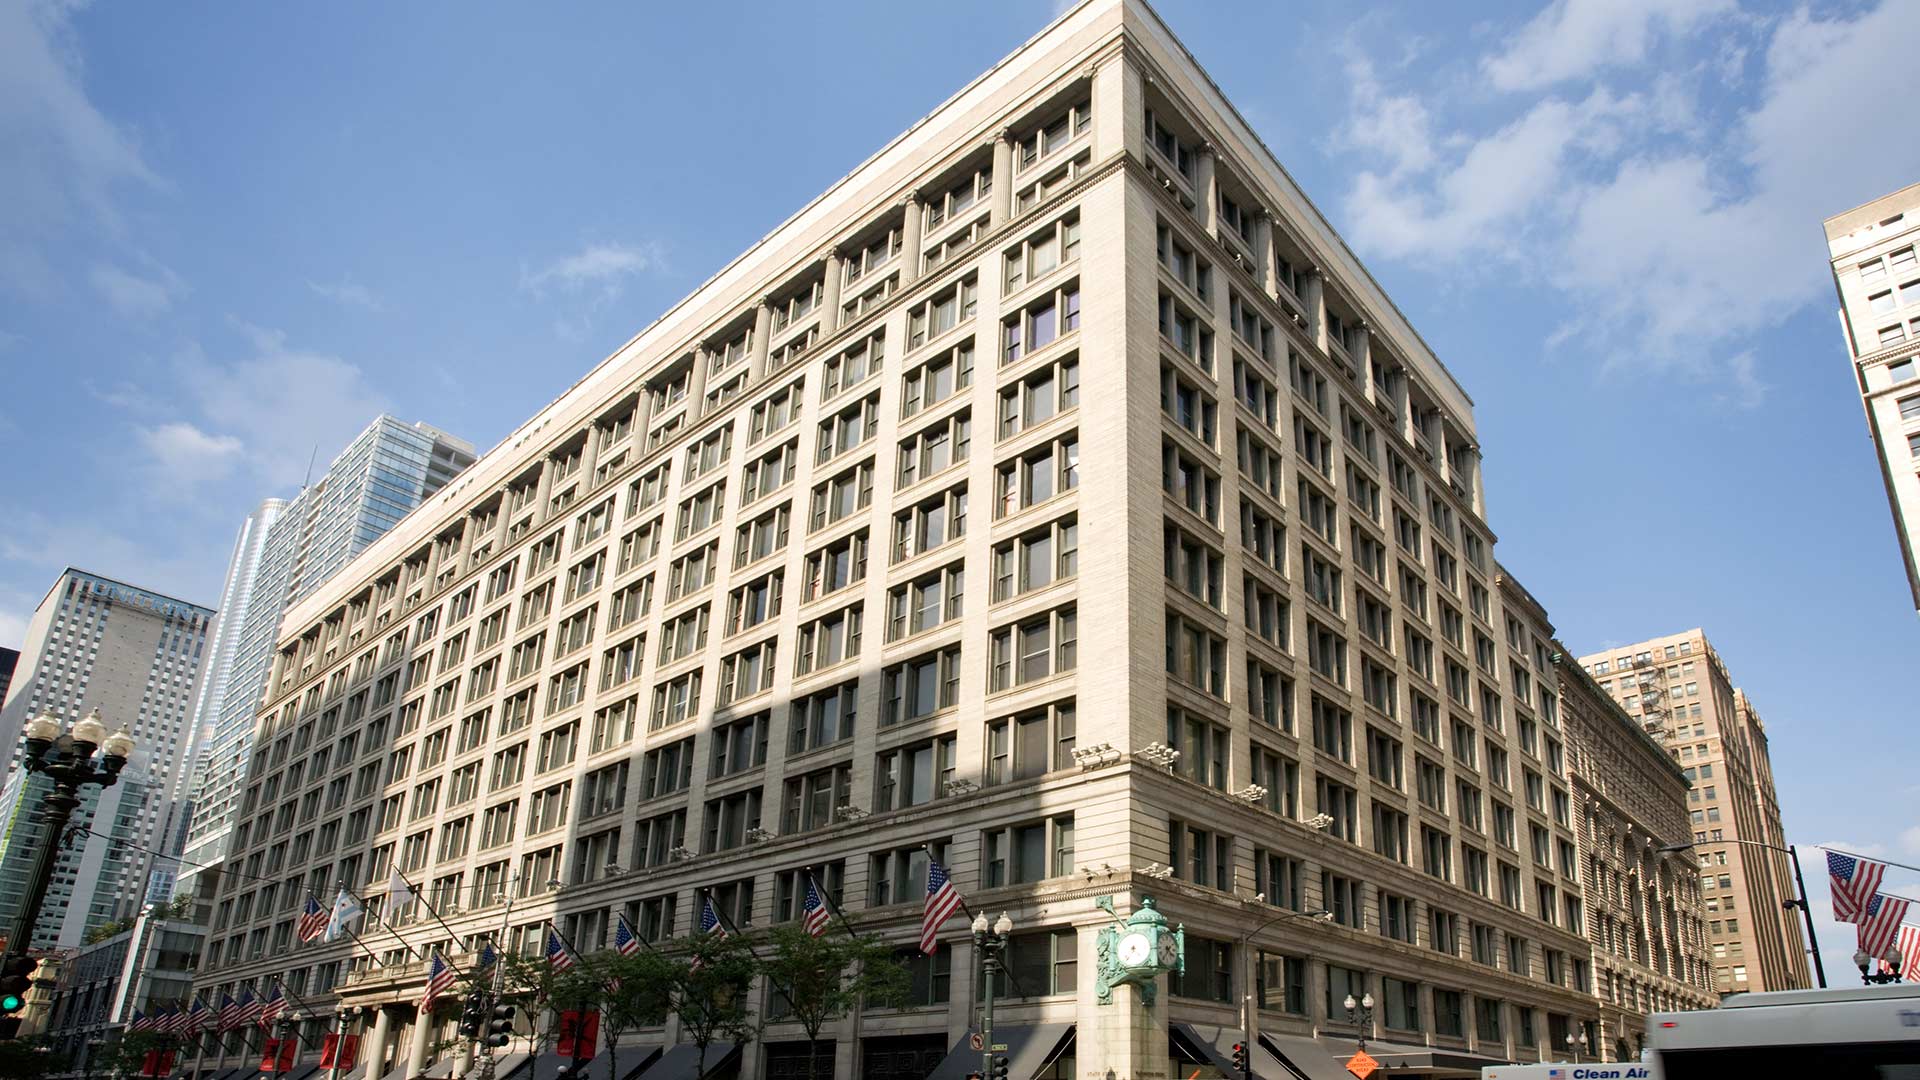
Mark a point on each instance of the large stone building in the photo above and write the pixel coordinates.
(146, 968)
(1645, 915)
(1678, 690)
(1877, 278)
(1305, 683)
(134, 654)
(284, 551)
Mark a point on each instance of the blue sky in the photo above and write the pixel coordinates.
(228, 239)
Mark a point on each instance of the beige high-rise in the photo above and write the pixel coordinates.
(1056, 493)
(1877, 276)
(1645, 912)
(1678, 690)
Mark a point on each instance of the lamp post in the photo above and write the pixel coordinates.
(1246, 942)
(1864, 962)
(1799, 880)
(1360, 1015)
(991, 942)
(1577, 1043)
(67, 759)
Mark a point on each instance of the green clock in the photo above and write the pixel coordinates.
(1138, 951)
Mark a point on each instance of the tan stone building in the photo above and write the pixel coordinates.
(1877, 277)
(758, 593)
(1646, 916)
(1678, 690)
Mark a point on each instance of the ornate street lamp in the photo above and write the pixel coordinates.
(1577, 1044)
(66, 758)
(1360, 1015)
(1891, 958)
(991, 943)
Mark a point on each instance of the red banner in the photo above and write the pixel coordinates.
(289, 1052)
(270, 1055)
(157, 1063)
(588, 1033)
(334, 1047)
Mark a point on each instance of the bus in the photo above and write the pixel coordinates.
(1859, 1033)
(1856, 1033)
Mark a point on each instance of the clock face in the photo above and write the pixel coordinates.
(1134, 950)
(1169, 951)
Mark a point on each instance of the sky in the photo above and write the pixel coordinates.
(228, 241)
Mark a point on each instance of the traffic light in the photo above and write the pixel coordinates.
(474, 1017)
(500, 1025)
(999, 1068)
(1240, 1058)
(16, 975)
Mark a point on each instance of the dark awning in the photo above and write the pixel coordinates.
(1399, 1055)
(509, 1067)
(1302, 1057)
(1030, 1048)
(682, 1062)
(305, 1071)
(358, 1072)
(600, 1066)
(442, 1069)
(1208, 1043)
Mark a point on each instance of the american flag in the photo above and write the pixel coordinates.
(1880, 923)
(625, 941)
(558, 958)
(942, 901)
(1854, 882)
(275, 1005)
(229, 1013)
(176, 1021)
(313, 920)
(488, 956)
(814, 915)
(439, 977)
(197, 1016)
(250, 1006)
(709, 924)
(138, 1021)
(1909, 945)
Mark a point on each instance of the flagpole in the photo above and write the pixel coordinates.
(411, 951)
(1004, 970)
(1806, 909)
(421, 895)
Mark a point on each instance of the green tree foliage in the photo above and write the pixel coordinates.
(709, 984)
(818, 980)
(129, 1055)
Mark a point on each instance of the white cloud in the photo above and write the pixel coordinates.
(1572, 39)
(1671, 253)
(61, 159)
(1394, 126)
(134, 296)
(594, 267)
(188, 455)
(280, 402)
(13, 629)
(349, 293)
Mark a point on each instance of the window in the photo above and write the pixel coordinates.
(822, 718)
(1193, 567)
(926, 602)
(810, 801)
(1038, 397)
(1184, 331)
(1200, 855)
(851, 367)
(836, 566)
(674, 701)
(828, 640)
(933, 450)
(738, 746)
(1179, 260)
(1203, 747)
(1041, 963)
(1195, 656)
(747, 672)
(1036, 560)
(667, 769)
(942, 313)
(936, 380)
(1029, 852)
(848, 429)
(1035, 649)
(1040, 323)
(841, 496)
(684, 634)
(768, 472)
(755, 602)
(913, 774)
(1270, 696)
(1056, 135)
(1341, 803)
(1190, 483)
(920, 687)
(931, 523)
(775, 412)
(900, 876)
(1031, 743)
(1267, 613)
(1208, 974)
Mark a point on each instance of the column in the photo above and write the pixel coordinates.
(375, 1052)
(836, 273)
(1002, 179)
(697, 382)
(417, 1051)
(1263, 253)
(543, 491)
(911, 240)
(762, 331)
(1362, 353)
(1206, 188)
(1313, 297)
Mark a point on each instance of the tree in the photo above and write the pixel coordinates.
(635, 991)
(543, 993)
(709, 983)
(128, 1056)
(30, 1058)
(181, 907)
(821, 979)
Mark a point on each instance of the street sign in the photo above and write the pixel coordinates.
(976, 1042)
(999, 1048)
(1362, 1065)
